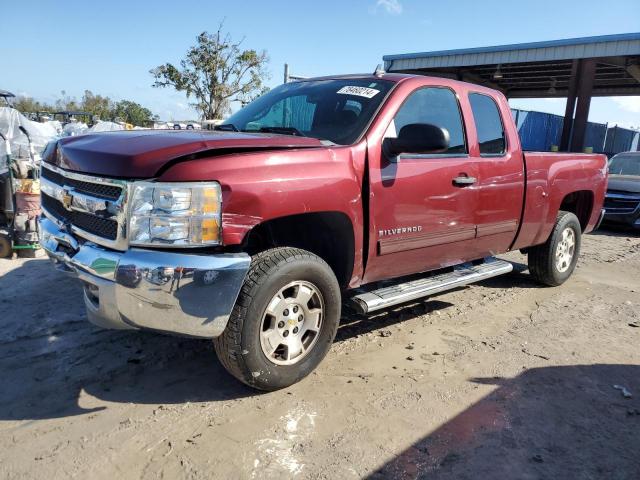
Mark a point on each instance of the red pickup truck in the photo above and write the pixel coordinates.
(255, 235)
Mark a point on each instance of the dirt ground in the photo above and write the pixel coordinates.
(503, 379)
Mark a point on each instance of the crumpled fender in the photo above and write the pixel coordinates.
(261, 186)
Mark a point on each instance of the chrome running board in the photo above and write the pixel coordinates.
(388, 296)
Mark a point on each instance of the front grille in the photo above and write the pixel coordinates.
(93, 224)
(621, 202)
(108, 192)
(97, 205)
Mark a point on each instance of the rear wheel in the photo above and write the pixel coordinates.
(553, 262)
(284, 321)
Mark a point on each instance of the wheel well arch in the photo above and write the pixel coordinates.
(329, 235)
(580, 203)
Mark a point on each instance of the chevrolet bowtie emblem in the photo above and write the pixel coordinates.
(67, 199)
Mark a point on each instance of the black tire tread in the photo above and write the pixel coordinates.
(228, 345)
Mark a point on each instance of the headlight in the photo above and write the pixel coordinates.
(185, 214)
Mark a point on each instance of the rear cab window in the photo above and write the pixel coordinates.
(489, 127)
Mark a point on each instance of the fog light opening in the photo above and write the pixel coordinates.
(92, 293)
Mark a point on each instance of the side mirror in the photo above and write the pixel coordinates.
(417, 138)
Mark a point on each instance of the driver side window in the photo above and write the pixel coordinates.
(437, 106)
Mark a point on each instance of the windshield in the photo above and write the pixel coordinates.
(334, 110)
(625, 165)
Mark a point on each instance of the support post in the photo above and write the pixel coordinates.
(569, 110)
(587, 74)
(286, 73)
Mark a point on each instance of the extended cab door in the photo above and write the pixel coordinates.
(497, 155)
(422, 210)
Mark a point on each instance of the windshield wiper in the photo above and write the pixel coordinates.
(283, 130)
(226, 127)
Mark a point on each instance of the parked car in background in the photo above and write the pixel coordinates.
(184, 125)
(66, 116)
(382, 189)
(622, 201)
(211, 124)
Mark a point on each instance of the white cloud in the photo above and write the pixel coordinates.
(630, 104)
(392, 7)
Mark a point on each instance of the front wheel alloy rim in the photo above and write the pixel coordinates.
(565, 249)
(291, 323)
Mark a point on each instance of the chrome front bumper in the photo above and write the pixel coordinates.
(177, 293)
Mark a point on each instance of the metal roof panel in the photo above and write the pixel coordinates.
(586, 47)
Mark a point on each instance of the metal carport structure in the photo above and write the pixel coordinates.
(575, 68)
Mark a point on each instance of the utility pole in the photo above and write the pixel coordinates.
(290, 78)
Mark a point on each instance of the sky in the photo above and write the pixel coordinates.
(109, 47)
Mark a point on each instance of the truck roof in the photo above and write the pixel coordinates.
(393, 77)
(402, 77)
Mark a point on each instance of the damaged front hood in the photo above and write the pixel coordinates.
(141, 154)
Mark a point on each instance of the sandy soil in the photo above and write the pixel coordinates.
(503, 379)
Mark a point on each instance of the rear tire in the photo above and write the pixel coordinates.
(284, 286)
(553, 262)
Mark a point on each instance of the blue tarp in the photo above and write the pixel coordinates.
(539, 131)
(621, 140)
(595, 135)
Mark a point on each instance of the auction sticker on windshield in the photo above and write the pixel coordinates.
(358, 91)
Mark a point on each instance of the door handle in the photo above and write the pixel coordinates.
(464, 181)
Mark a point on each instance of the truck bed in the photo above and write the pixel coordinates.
(550, 178)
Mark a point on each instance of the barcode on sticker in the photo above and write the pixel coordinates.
(359, 91)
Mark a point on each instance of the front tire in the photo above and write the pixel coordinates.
(553, 262)
(284, 321)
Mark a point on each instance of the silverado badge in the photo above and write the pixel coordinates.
(399, 230)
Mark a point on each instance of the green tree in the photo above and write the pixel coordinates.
(97, 105)
(132, 112)
(215, 72)
(27, 104)
(66, 102)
